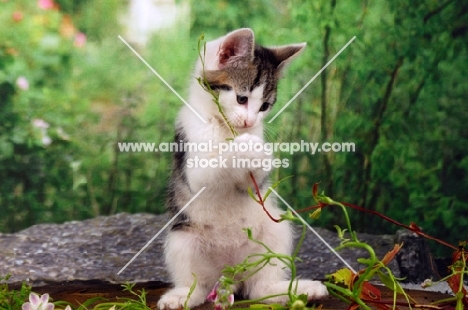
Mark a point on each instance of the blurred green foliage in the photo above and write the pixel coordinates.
(70, 90)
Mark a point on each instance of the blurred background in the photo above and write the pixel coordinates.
(70, 90)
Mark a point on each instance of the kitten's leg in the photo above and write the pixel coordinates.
(271, 281)
(181, 260)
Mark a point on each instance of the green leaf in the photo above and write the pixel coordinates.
(365, 261)
(249, 232)
(342, 276)
(390, 282)
(274, 186)
(192, 288)
(251, 194)
(288, 216)
(316, 214)
(302, 297)
(340, 231)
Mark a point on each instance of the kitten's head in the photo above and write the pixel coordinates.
(245, 75)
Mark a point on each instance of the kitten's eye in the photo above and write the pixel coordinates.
(242, 99)
(225, 87)
(220, 87)
(264, 106)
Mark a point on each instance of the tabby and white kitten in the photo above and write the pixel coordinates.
(208, 235)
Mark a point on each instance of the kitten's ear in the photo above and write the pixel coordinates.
(237, 49)
(284, 54)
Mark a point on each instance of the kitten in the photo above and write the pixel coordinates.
(208, 235)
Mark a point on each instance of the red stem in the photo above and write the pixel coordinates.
(260, 199)
(413, 229)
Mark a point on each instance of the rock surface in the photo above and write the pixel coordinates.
(414, 259)
(99, 248)
(92, 249)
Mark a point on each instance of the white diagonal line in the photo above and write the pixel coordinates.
(315, 232)
(161, 230)
(162, 79)
(311, 80)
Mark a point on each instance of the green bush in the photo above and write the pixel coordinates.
(398, 92)
(66, 102)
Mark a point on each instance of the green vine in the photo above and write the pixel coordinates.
(207, 87)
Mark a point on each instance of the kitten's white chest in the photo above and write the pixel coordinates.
(228, 223)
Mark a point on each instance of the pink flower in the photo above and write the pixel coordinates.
(46, 4)
(40, 123)
(211, 297)
(80, 39)
(17, 16)
(22, 83)
(223, 297)
(37, 302)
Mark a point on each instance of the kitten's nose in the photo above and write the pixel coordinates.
(249, 123)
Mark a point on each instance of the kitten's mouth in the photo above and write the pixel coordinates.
(244, 126)
(221, 121)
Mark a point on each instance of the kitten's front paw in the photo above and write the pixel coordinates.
(171, 302)
(250, 146)
(246, 137)
(313, 289)
(176, 297)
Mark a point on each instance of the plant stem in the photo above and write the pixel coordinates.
(386, 218)
(206, 86)
(260, 199)
(241, 302)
